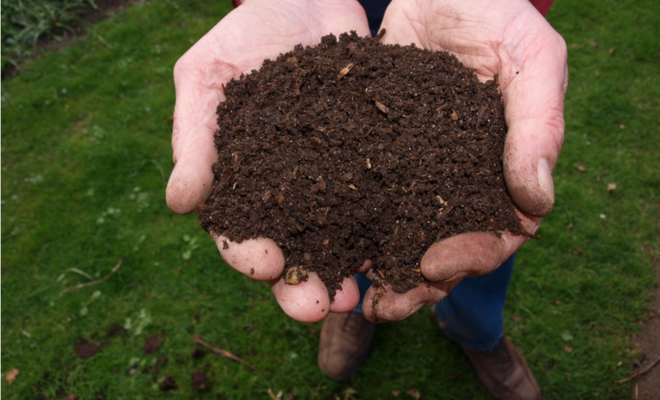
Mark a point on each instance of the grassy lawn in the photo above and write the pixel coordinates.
(85, 160)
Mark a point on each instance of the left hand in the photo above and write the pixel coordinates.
(510, 39)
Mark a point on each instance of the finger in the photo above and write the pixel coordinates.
(365, 267)
(198, 93)
(382, 304)
(472, 253)
(305, 302)
(347, 298)
(533, 94)
(260, 259)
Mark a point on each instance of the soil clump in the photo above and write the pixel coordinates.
(354, 150)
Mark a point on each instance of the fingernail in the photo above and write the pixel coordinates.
(544, 176)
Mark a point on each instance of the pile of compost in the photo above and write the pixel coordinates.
(353, 150)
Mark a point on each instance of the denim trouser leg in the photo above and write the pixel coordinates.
(471, 314)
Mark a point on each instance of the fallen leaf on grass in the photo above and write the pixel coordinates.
(198, 379)
(415, 394)
(85, 349)
(580, 167)
(114, 330)
(10, 377)
(167, 384)
(396, 393)
(612, 50)
(153, 343)
(611, 186)
(277, 396)
(578, 251)
(568, 349)
(349, 394)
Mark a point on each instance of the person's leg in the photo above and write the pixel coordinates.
(471, 314)
(345, 340)
(375, 9)
(364, 284)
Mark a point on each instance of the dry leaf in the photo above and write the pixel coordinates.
(11, 376)
(580, 167)
(622, 126)
(577, 251)
(612, 50)
(611, 186)
(415, 394)
(396, 393)
(569, 226)
(568, 349)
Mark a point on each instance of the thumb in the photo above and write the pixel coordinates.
(192, 137)
(534, 101)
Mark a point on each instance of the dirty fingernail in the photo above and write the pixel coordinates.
(544, 176)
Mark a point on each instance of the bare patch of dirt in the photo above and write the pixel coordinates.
(649, 345)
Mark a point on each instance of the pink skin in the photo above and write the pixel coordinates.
(490, 36)
(256, 30)
(511, 39)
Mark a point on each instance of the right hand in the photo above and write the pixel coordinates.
(253, 32)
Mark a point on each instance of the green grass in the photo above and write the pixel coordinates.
(85, 160)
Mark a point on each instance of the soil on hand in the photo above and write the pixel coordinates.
(354, 150)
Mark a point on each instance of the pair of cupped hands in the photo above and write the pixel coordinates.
(507, 38)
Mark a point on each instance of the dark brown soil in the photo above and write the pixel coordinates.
(354, 150)
(648, 343)
(153, 343)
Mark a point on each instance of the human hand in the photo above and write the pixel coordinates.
(510, 39)
(256, 30)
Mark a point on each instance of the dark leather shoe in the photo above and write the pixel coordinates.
(344, 345)
(503, 370)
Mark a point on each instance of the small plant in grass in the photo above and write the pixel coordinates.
(24, 22)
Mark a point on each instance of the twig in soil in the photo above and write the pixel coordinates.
(83, 285)
(222, 353)
(345, 70)
(642, 372)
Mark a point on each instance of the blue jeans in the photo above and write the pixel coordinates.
(471, 314)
